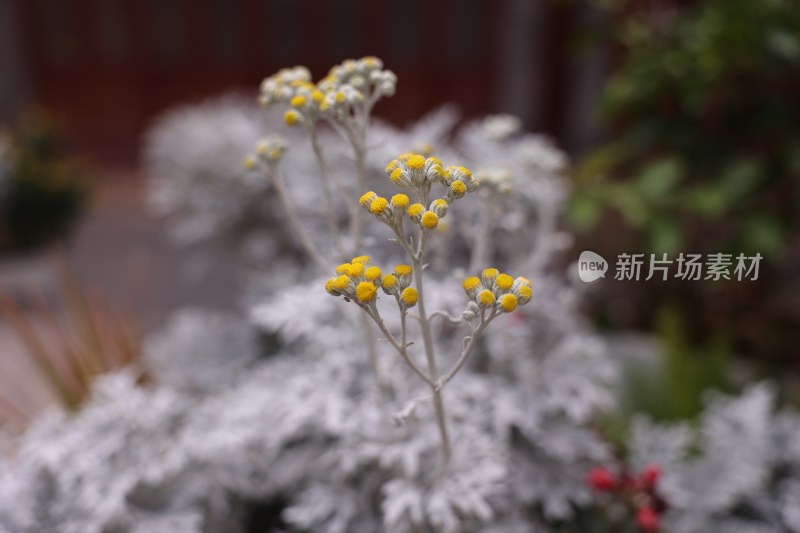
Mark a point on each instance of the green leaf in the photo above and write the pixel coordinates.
(659, 177)
(708, 201)
(584, 211)
(741, 178)
(665, 235)
(763, 233)
(628, 202)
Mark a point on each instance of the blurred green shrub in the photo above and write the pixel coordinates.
(41, 193)
(704, 154)
(704, 106)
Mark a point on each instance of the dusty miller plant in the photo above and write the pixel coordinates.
(341, 429)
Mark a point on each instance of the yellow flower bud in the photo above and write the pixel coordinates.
(504, 281)
(378, 205)
(298, 101)
(458, 189)
(400, 201)
(415, 212)
(471, 285)
(439, 207)
(341, 283)
(292, 118)
(429, 220)
(523, 294)
(355, 270)
(363, 259)
(409, 296)
(366, 291)
(366, 199)
(508, 302)
(415, 162)
(403, 270)
(329, 286)
(488, 276)
(372, 273)
(486, 298)
(388, 283)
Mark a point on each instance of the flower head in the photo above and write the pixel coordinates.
(389, 284)
(486, 298)
(601, 479)
(366, 199)
(372, 273)
(647, 519)
(415, 212)
(292, 118)
(498, 290)
(472, 285)
(379, 205)
(508, 302)
(269, 151)
(429, 220)
(439, 207)
(366, 291)
(409, 296)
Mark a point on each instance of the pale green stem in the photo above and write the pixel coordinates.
(470, 344)
(483, 236)
(294, 221)
(330, 212)
(427, 339)
(400, 347)
(372, 351)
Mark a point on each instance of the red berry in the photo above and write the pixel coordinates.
(601, 479)
(647, 519)
(649, 476)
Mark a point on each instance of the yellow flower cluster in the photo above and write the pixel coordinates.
(410, 171)
(495, 290)
(417, 173)
(388, 211)
(359, 281)
(269, 151)
(346, 86)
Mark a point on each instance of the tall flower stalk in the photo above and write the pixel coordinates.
(358, 281)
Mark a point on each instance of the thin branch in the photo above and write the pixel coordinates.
(470, 344)
(330, 212)
(294, 222)
(401, 349)
(447, 316)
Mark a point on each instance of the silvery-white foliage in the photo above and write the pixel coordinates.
(201, 350)
(744, 476)
(431, 133)
(194, 158)
(310, 424)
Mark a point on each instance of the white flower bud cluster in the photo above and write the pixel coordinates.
(269, 151)
(283, 86)
(348, 85)
(538, 153)
(494, 290)
(496, 179)
(501, 127)
(366, 75)
(416, 173)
